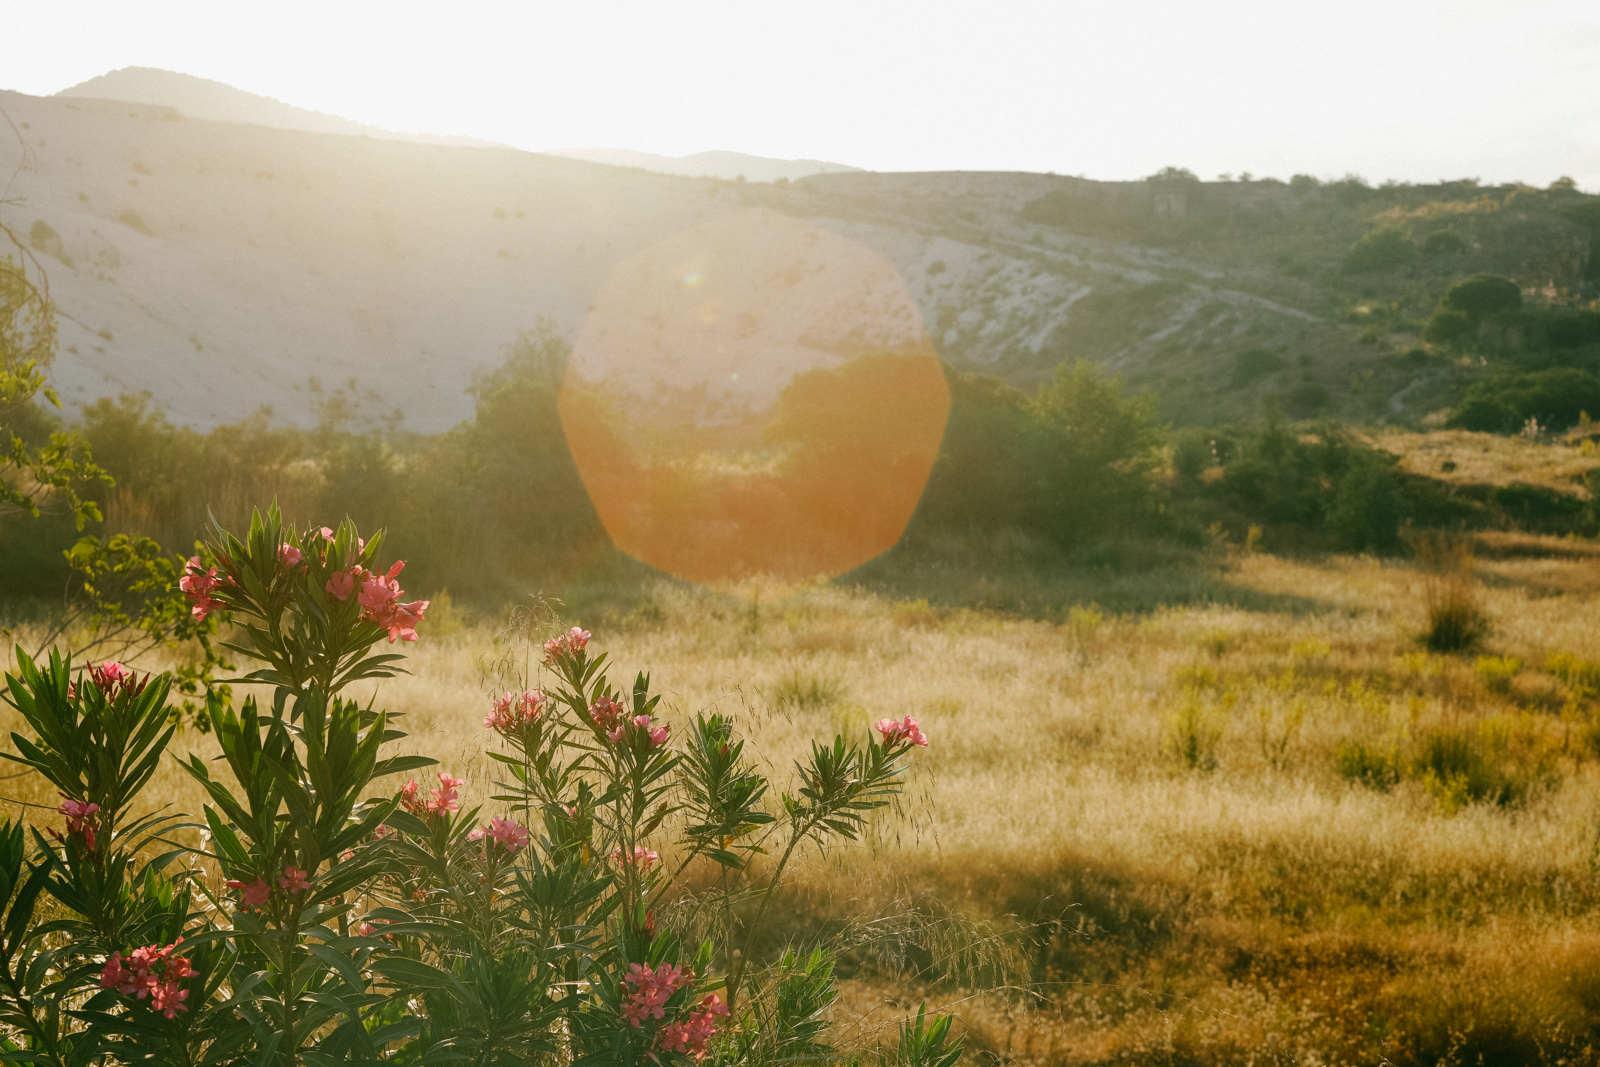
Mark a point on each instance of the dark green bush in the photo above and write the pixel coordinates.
(1307, 399)
(1380, 249)
(1482, 296)
(1366, 509)
(1556, 397)
(1446, 327)
(1537, 509)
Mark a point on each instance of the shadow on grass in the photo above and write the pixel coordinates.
(1006, 573)
(1010, 574)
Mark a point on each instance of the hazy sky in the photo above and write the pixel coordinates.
(1405, 89)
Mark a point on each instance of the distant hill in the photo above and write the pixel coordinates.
(728, 165)
(201, 98)
(224, 266)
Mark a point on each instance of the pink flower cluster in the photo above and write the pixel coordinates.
(568, 644)
(290, 556)
(113, 679)
(641, 723)
(150, 972)
(612, 718)
(690, 1037)
(197, 583)
(80, 820)
(905, 732)
(503, 832)
(650, 990)
(251, 894)
(380, 599)
(607, 713)
(442, 800)
(513, 713)
(642, 858)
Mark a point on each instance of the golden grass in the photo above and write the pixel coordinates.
(1491, 459)
(1266, 911)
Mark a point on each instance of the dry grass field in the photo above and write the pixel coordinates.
(1131, 840)
(1463, 457)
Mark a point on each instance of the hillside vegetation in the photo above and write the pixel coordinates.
(187, 255)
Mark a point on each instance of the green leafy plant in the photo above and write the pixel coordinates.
(328, 918)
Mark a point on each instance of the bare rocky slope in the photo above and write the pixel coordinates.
(224, 266)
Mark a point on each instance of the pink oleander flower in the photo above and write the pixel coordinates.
(401, 620)
(150, 972)
(649, 990)
(343, 583)
(114, 976)
(380, 604)
(167, 998)
(326, 533)
(508, 835)
(567, 644)
(513, 713)
(197, 583)
(691, 1037)
(384, 830)
(378, 591)
(251, 894)
(608, 715)
(903, 732)
(444, 798)
(112, 679)
(504, 833)
(81, 820)
(642, 858)
(294, 880)
(290, 556)
(411, 800)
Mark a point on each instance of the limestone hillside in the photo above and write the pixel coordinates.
(223, 266)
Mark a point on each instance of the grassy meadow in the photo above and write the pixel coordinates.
(1208, 822)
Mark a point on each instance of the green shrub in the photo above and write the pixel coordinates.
(1557, 397)
(1307, 398)
(1381, 249)
(1497, 672)
(1498, 762)
(1580, 675)
(1482, 296)
(1193, 732)
(1446, 326)
(1369, 766)
(1192, 453)
(1456, 619)
(359, 921)
(1538, 509)
(1366, 506)
(1485, 414)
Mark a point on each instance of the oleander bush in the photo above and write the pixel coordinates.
(331, 916)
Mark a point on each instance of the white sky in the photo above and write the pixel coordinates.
(1406, 89)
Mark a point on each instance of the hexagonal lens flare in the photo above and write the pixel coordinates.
(754, 396)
